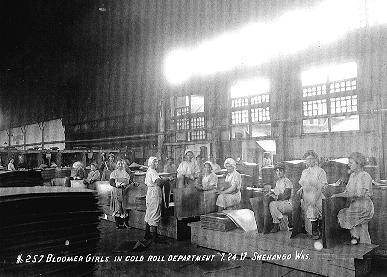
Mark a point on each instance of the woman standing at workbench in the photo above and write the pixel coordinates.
(153, 200)
(188, 171)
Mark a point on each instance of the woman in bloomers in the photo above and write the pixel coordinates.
(358, 193)
(119, 180)
(209, 180)
(188, 170)
(153, 200)
(313, 181)
(232, 195)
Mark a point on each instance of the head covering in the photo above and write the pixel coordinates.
(150, 160)
(111, 155)
(210, 163)
(358, 158)
(93, 163)
(77, 165)
(188, 150)
(310, 153)
(230, 161)
(280, 166)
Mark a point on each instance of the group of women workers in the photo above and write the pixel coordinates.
(189, 175)
(359, 209)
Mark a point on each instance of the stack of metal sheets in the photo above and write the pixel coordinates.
(217, 222)
(21, 178)
(43, 223)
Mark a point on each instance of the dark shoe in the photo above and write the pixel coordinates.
(126, 223)
(147, 232)
(315, 230)
(156, 238)
(276, 228)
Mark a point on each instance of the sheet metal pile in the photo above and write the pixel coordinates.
(21, 178)
(48, 222)
(217, 222)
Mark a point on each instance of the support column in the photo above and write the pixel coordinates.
(41, 127)
(161, 127)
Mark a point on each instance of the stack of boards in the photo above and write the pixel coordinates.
(217, 222)
(44, 221)
(21, 178)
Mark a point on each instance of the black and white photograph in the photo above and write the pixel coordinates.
(213, 138)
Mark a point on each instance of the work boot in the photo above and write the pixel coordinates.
(147, 232)
(276, 228)
(156, 238)
(315, 230)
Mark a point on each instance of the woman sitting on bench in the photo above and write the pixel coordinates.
(209, 179)
(358, 193)
(313, 181)
(282, 198)
(232, 195)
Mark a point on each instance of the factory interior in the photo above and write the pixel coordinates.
(193, 138)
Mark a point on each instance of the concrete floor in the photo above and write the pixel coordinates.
(119, 243)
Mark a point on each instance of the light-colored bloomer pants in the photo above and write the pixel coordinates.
(278, 208)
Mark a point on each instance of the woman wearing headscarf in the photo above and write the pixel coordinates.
(11, 166)
(153, 199)
(209, 179)
(119, 180)
(358, 193)
(313, 181)
(188, 170)
(232, 195)
(281, 195)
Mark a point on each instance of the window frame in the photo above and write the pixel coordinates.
(328, 96)
(188, 117)
(249, 107)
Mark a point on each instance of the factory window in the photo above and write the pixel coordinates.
(330, 101)
(250, 108)
(187, 113)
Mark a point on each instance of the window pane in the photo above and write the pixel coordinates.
(315, 107)
(345, 104)
(316, 125)
(239, 102)
(345, 123)
(197, 104)
(260, 114)
(182, 124)
(259, 99)
(342, 86)
(182, 101)
(240, 131)
(238, 117)
(198, 135)
(197, 122)
(261, 130)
